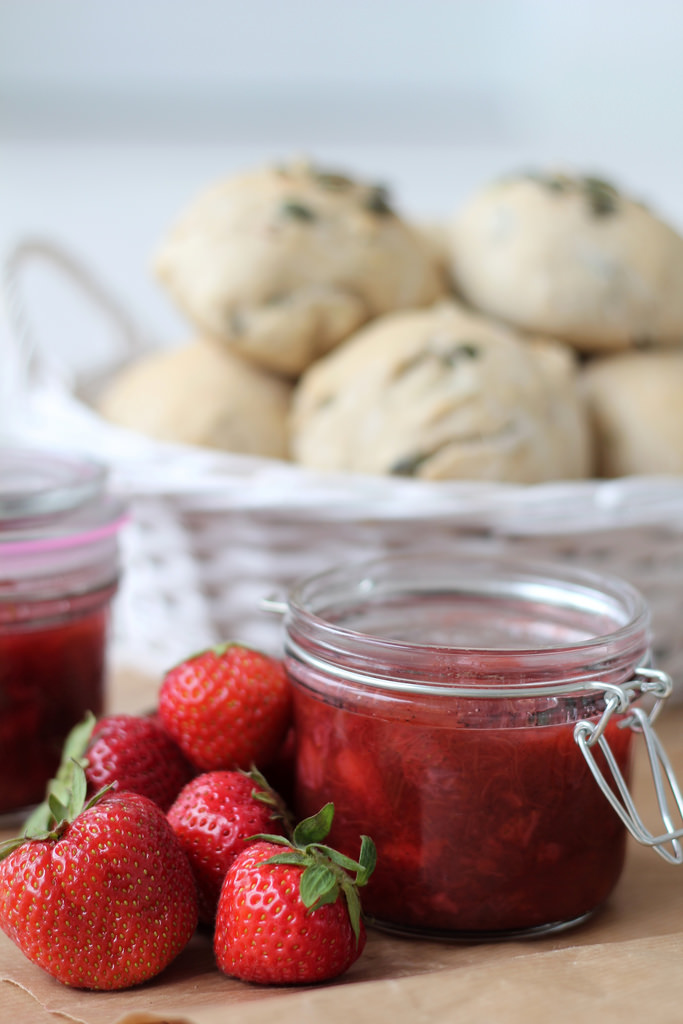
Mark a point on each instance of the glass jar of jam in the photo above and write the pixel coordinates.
(471, 715)
(58, 575)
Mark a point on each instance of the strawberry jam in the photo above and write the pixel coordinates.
(436, 703)
(58, 575)
(51, 673)
(478, 829)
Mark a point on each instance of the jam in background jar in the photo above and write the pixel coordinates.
(436, 701)
(58, 576)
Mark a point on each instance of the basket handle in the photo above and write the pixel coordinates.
(32, 362)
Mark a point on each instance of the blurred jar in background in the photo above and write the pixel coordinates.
(59, 570)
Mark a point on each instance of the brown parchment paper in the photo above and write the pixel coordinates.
(625, 965)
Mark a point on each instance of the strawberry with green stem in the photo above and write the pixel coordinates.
(97, 891)
(289, 910)
(214, 816)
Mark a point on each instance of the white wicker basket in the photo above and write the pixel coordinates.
(212, 535)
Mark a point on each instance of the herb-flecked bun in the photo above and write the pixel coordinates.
(570, 257)
(280, 264)
(443, 393)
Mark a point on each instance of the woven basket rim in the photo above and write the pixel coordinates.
(210, 481)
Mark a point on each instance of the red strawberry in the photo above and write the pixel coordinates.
(289, 912)
(227, 707)
(213, 817)
(103, 896)
(138, 754)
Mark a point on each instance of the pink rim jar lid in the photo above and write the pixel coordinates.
(55, 511)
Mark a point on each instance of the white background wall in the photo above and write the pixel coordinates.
(588, 72)
(113, 113)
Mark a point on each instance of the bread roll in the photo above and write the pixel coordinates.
(571, 258)
(635, 400)
(441, 394)
(281, 263)
(201, 394)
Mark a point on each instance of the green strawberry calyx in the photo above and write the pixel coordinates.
(265, 794)
(65, 795)
(327, 873)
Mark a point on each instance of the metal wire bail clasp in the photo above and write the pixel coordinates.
(588, 734)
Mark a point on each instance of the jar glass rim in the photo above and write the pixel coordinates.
(36, 483)
(58, 521)
(318, 635)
